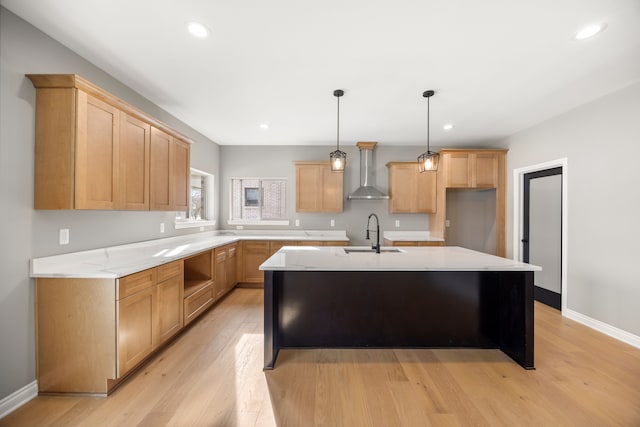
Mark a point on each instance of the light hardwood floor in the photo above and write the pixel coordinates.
(212, 376)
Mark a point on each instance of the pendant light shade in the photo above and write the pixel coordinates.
(428, 161)
(338, 158)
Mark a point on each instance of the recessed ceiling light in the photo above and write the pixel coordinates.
(264, 126)
(448, 126)
(590, 31)
(197, 30)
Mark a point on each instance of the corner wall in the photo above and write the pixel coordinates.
(27, 233)
(601, 141)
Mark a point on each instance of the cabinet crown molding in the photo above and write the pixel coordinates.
(74, 81)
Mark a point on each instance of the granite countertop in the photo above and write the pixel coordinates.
(117, 261)
(445, 258)
(410, 236)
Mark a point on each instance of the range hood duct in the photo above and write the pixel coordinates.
(366, 191)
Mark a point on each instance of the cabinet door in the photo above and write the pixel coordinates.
(232, 266)
(160, 167)
(254, 253)
(275, 245)
(308, 188)
(135, 328)
(134, 145)
(425, 192)
(458, 170)
(170, 305)
(221, 271)
(401, 187)
(331, 192)
(180, 175)
(97, 137)
(485, 170)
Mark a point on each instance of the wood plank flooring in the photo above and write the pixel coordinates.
(212, 376)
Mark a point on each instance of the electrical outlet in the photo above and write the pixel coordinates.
(162, 227)
(239, 227)
(333, 222)
(297, 223)
(447, 223)
(64, 236)
(397, 223)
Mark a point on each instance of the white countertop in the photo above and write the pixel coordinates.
(118, 261)
(445, 258)
(410, 236)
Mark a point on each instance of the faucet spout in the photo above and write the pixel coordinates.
(376, 246)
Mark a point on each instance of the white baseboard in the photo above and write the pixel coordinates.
(605, 328)
(18, 398)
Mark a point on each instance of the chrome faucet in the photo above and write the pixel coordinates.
(377, 245)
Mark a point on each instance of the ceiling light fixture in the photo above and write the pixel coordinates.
(264, 126)
(590, 31)
(338, 158)
(197, 30)
(448, 126)
(428, 161)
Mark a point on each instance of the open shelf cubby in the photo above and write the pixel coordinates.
(198, 272)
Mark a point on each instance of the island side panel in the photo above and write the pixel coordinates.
(271, 329)
(434, 309)
(516, 316)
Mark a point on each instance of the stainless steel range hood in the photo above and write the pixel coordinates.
(366, 191)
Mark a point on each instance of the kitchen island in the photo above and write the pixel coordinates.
(422, 297)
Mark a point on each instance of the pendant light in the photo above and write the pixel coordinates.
(428, 161)
(338, 158)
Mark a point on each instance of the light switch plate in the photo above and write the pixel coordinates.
(64, 236)
(333, 222)
(447, 223)
(162, 227)
(297, 223)
(397, 223)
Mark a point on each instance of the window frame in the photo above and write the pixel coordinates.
(188, 222)
(241, 222)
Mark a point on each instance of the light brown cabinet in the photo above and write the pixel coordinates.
(94, 151)
(232, 266)
(317, 188)
(254, 253)
(170, 295)
(199, 289)
(471, 169)
(410, 190)
(137, 336)
(134, 163)
(169, 172)
(221, 271)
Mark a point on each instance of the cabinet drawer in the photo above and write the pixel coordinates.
(136, 282)
(196, 303)
(221, 255)
(167, 271)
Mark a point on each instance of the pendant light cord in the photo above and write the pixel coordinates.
(428, 121)
(338, 130)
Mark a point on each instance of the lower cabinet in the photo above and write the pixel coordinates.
(137, 336)
(254, 253)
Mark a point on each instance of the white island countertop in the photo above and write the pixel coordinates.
(118, 261)
(444, 258)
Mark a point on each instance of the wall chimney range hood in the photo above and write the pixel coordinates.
(366, 191)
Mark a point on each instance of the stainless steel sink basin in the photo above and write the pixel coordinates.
(369, 250)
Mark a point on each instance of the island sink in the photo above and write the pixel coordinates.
(370, 251)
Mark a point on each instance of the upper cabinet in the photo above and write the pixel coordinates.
(94, 151)
(410, 190)
(317, 188)
(169, 172)
(472, 169)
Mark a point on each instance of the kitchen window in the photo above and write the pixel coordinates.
(201, 202)
(258, 201)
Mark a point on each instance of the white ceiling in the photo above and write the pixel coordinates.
(497, 66)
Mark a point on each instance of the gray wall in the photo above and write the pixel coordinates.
(472, 218)
(27, 233)
(278, 161)
(601, 141)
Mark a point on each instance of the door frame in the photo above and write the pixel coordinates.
(518, 211)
